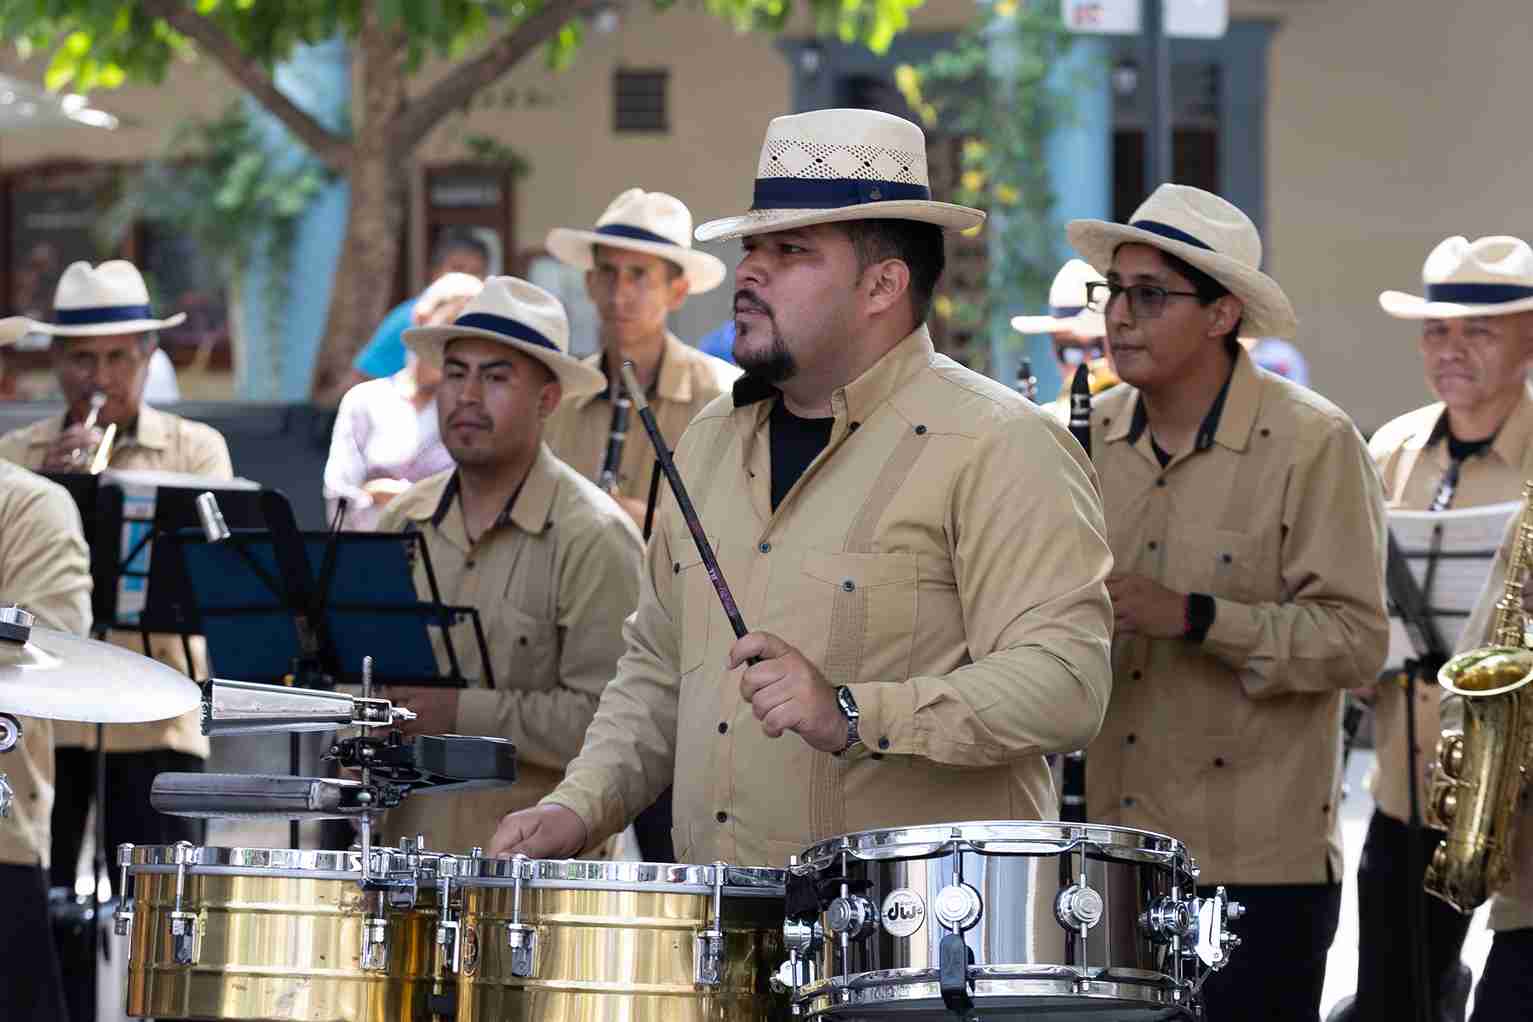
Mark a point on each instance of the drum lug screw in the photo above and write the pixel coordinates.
(708, 948)
(521, 939)
(375, 938)
(182, 925)
(122, 919)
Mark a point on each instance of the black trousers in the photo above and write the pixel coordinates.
(129, 776)
(1505, 993)
(1278, 971)
(1384, 883)
(31, 984)
(653, 830)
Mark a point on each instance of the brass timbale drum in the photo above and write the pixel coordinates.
(582, 941)
(275, 933)
(1047, 921)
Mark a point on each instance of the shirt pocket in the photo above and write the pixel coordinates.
(1230, 565)
(864, 605)
(528, 651)
(699, 602)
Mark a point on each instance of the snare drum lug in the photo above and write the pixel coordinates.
(708, 959)
(1078, 907)
(183, 937)
(852, 915)
(447, 940)
(522, 940)
(957, 907)
(375, 944)
(122, 918)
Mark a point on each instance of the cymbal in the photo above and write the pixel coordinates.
(61, 676)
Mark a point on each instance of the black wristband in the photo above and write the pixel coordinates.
(1200, 616)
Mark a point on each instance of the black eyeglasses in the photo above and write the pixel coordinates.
(1145, 301)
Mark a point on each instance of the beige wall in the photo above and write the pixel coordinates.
(1391, 126)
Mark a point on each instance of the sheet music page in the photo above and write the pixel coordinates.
(1471, 536)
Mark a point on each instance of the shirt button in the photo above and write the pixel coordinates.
(765, 548)
(1218, 761)
(721, 816)
(723, 728)
(1137, 675)
(920, 431)
(1326, 808)
(468, 563)
(1131, 739)
(521, 640)
(883, 743)
(849, 585)
(1153, 544)
(676, 568)
(875, 755)
(1128, 800)
(1226, 558)
(1160, 482)
(852, 427)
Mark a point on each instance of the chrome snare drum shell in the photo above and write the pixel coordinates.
(581, 941)
(276, 933)
(1058, 921)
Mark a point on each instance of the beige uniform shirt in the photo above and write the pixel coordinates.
(577, 433)
(944, 556)
(552, 580)
(166, 443)
(1233, 746)
(1512, 908)
(44, 568)
(1412, 455)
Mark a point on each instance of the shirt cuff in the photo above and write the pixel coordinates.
(1234, 633)
(886, 720)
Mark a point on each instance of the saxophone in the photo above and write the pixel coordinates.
(1478, 779)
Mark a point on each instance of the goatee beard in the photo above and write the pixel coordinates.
(773, 365)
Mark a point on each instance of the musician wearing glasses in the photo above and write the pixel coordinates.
(916, 551)
(1247, 530)
(549, 561)
(1076, 332)
(640, 268)
(44, 569)
(1473, 446)
(103, 334)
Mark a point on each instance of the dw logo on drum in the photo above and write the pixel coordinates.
(903, 912)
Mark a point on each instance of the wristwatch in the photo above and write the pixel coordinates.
(848, 706)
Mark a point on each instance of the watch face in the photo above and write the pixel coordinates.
(845, 701)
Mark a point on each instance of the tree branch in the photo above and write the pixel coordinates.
(460, 85)
(213, 42)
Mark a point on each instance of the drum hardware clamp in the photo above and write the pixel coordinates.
(708, 947)
(182, 925)
(448, 928)
(521, 939)
(802, 936)
(122, 918)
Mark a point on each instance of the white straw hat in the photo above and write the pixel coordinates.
(1067, 305)
(1207, 232)
(650, 222)
(102, 300)
(828, 166)
(521, 316)
(1487, 277)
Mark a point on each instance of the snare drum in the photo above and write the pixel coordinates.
(279, 934)
(582, 941)
(1049, 921)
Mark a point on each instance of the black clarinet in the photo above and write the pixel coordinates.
(615, 441)
(1072, 803)
(1027, 383)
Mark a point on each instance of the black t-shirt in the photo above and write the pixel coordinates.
(795, 443)
(1458, 449)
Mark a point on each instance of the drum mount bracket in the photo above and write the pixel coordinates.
(10, 735)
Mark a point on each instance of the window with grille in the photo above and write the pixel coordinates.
(639, 101)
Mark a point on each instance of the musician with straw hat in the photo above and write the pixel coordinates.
(550, 562)
(1473, 446)
(1247, 530)
(1076, 331)
(104, 332)
(916, 550)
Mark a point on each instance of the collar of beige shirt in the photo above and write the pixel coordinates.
(151, 430)
(854, 402)
(1242, 402)
(1513, 439)
(675, 382)
(530, 508)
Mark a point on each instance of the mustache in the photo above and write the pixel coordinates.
(746, 300)
(469, 419)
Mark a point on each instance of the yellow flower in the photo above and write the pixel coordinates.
(944, 306)
(973, 180)
(1006, 8)
(974, 150)
(929, 115)
(908, 80)
(1007, 195)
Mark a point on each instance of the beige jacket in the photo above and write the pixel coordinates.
(44, 568)
(1234, 745)
(944, 556)
(166, 443)
(577, 433)
(1412, 455)
(553, 581)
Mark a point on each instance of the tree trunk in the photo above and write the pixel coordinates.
(376, 210)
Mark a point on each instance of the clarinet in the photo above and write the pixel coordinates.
(615, 441)
(1027, 383)
(1072, 803)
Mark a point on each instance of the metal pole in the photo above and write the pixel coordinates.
(1158, 165)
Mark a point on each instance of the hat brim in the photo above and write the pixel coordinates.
(13, 329)
(127, 326)
(703, 271)
(1268, 312)
(576, 380)
(1403, 306)
(946, 215)
(1082, 324)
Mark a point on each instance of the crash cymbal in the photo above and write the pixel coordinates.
(56, 675)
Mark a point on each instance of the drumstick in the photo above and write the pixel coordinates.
(688, 512)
